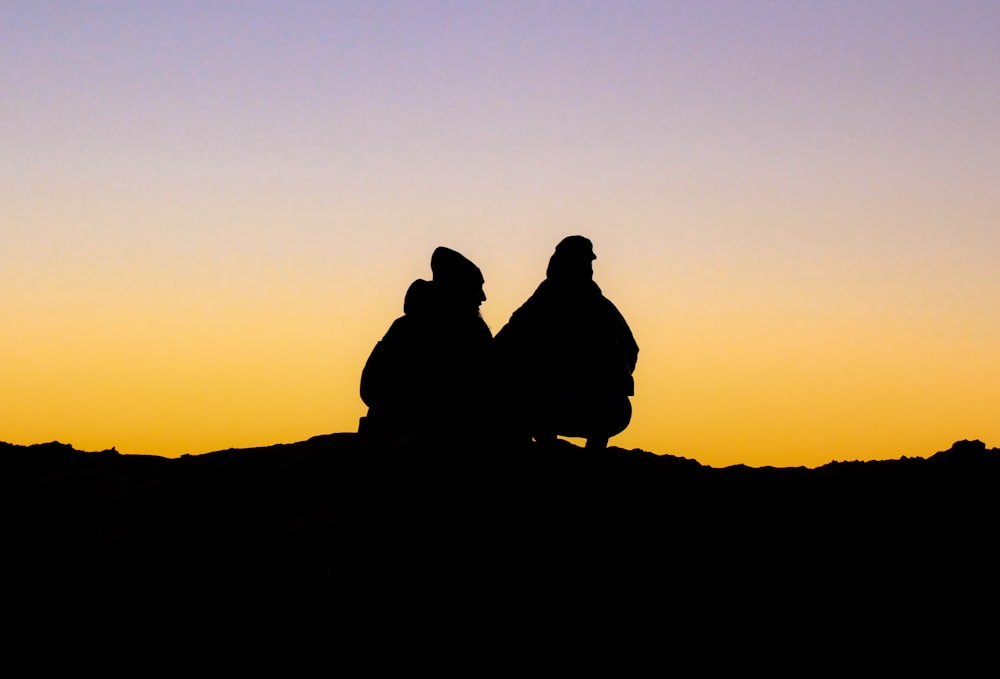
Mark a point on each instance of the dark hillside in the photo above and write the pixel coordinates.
(353, 520)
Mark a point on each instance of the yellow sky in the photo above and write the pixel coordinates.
(210, 215)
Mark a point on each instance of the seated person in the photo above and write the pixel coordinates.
(429, 371)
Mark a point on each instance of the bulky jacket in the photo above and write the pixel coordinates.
(568, 337)
(428, 372)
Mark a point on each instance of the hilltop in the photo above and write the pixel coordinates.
(369, 520)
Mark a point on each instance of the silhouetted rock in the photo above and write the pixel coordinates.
(963, 452)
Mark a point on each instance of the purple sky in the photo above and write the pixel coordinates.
(794, 203)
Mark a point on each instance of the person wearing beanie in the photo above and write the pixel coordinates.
(429, 373)
(567, 355)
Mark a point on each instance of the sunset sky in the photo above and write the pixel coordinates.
(211, 210)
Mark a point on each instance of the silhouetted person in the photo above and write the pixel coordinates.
(567, 355)
(429, 372)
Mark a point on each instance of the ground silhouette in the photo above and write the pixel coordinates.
(372, 522)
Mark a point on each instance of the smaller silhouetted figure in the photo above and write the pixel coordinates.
(566, 356)
(429, 371)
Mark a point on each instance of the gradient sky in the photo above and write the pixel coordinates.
(211, 210)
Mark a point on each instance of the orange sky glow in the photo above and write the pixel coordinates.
(211, 211)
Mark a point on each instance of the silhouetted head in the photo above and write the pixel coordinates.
(419, 297)
(459, 279)
(572, 262)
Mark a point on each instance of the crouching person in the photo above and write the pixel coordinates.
(567, 355)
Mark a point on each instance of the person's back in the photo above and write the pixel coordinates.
(395, 374)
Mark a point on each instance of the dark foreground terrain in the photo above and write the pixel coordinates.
(393, 527)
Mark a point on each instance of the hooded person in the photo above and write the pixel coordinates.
(567, 355)
(429, 372)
